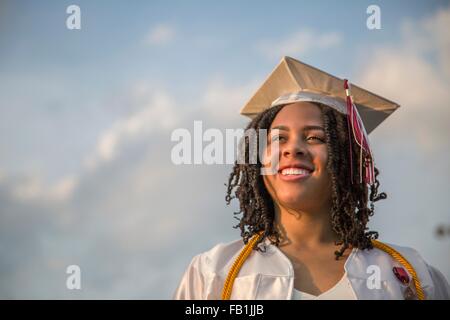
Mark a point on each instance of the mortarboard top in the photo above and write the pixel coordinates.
(293, 80)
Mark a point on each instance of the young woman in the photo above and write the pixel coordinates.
(304, 227)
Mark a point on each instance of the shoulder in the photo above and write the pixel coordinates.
(410, 254)
(433, 282)
(203, 279)
(384, 252)
(219, 258)
(441, 286)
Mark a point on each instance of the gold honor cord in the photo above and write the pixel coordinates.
(226, 293)
(248, 248)
(402, 260)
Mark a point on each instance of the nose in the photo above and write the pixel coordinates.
(294, 148)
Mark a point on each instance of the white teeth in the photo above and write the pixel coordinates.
(292, 171)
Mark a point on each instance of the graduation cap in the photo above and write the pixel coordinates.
(294, 81)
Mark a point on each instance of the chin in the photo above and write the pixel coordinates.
(292, 199)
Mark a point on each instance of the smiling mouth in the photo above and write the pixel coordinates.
(293, 174)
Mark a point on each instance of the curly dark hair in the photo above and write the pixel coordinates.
(350, 210)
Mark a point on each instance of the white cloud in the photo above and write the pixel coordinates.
(438, 27)
(408, 74)
(156, 111)
(429, 36)
(121, 220)
(161, 34)
(32, 187)
(222, 101)
(300, 43)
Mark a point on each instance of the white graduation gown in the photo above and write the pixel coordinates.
(270, 275)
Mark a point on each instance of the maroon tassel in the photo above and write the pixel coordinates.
(356, 128)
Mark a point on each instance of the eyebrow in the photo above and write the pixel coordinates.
(305, 128)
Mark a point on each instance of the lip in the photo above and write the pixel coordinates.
(295, 177)
(296, 165)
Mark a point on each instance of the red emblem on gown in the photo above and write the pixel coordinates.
(401, 275)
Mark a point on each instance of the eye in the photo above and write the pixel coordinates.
(278, 138)
(315, 138)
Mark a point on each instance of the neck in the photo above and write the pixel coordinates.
(304, 229)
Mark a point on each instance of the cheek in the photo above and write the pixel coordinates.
(265, 157)
(270, 156)
(324, 159)
(320, 157)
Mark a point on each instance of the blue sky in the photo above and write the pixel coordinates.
(85, 171)
(110, 52)
(109, 46)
